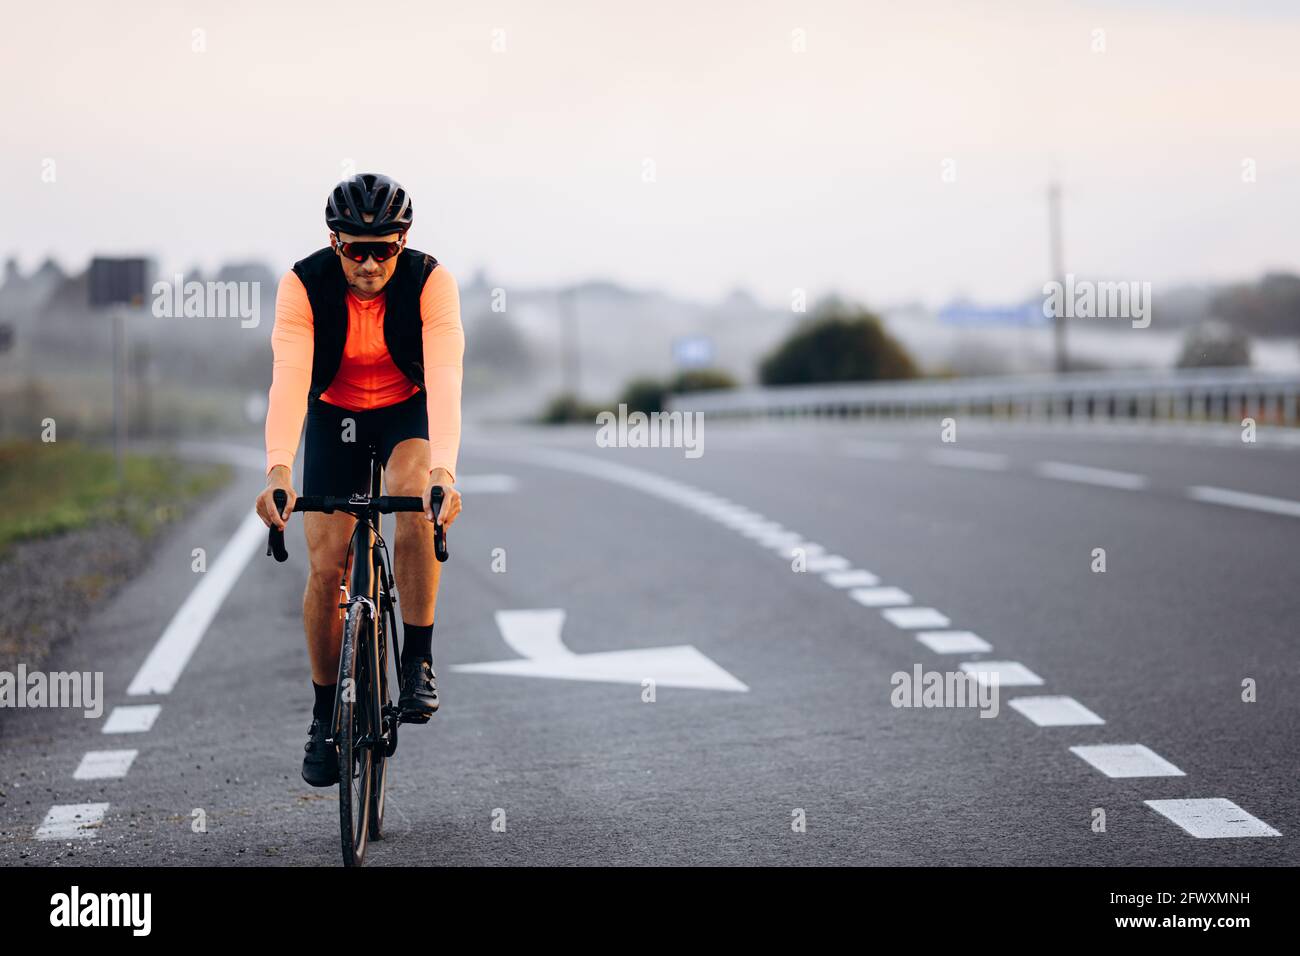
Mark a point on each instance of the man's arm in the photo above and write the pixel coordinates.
(444, 352)
(292, 345)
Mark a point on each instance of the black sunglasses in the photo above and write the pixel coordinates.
(360, 251)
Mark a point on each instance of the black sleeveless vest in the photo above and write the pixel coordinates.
(322, 277)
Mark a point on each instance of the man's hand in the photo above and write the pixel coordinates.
(280, 479)
(441, 478)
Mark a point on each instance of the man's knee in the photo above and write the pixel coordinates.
(327, 548)
(407, 471)
(325, 571)
(408, 480)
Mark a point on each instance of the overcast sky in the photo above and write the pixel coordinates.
(774, 169)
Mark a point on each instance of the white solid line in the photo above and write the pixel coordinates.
(1127, 760)
(880, 597)
(131, 719)
(857, 578)
(71, 821)
(911, 618)
(1242, 499)
(163, 667)
(1055, 711)
(954, 642)
(1007, 673)
(104, 764)
(1091, 476)
(958, 458)
(1211, 817)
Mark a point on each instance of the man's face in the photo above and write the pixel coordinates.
(366, 278)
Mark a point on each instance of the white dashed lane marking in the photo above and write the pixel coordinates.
(1064, 471)
(954, 642)
(1008, 673)
(1055, 711)
(872, 450)
(132, 719)
(1241, 499)
(1212, 817)
(71, 821)
(826, 562)
(880, 597)
(980, 460)
(857, 578)
(912, 618)
(104, 764)
(1127, 760)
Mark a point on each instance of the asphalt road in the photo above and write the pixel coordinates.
(791, 717)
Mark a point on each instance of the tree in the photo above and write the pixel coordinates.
(840, 343)
(1214, 345)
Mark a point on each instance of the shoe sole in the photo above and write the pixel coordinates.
(410, 716)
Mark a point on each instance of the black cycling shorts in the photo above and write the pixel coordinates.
(333, 466)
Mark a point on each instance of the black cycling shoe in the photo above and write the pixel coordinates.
(419, 697)
(320, 767)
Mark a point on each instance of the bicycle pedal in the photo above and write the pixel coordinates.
(414, 717)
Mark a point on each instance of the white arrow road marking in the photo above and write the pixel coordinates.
(535, 635)
(163, 667)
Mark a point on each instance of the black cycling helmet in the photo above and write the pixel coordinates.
(368, 194)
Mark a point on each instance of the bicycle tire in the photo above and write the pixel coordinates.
(380, 754)
(353, 719)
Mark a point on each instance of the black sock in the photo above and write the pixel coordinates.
(323, 710)
(418, 642)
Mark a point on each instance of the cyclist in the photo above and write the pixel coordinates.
(368, 346)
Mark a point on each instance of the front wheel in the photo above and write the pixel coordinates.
(353, 733)
(383, 749)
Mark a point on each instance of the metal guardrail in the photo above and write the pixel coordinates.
(1211, 395)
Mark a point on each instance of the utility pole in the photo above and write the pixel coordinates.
(119, 391)
(1057, 253)
(569, 343)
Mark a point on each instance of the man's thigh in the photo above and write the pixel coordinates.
(407, 471)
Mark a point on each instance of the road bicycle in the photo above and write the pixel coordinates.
(364, 725)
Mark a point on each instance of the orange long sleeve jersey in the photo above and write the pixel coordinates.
(367, 377)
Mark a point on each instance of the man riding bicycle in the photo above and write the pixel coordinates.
(368, 346)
